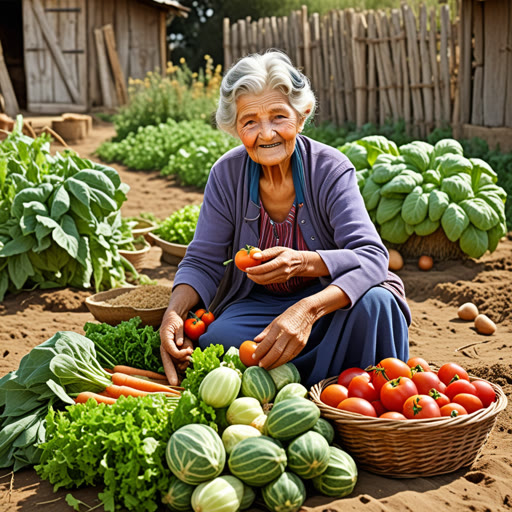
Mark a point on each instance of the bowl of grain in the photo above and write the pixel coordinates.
(148, 302)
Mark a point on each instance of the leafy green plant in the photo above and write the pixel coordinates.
(180, 226)
(59, 218)
(419, 188)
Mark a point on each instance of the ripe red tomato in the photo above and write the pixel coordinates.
(452, 410)
(459, 386)
(346, 375)
(361, 387)
(470, 402)
(485, 392)
(379, 407)
(413, 362)
(194, 328)
(448, 371)
(358, 405)
(205, 315)
(246, 351)
(419, 407)
(425, 381)
(389, 369)
(393, 415)
(333, 394)
(244, 258)
(440, 398)
(395, 392)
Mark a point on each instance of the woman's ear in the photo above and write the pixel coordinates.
(303, 120)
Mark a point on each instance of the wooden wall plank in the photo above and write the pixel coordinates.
(103, 69)
(6, 88)
(371, 71)
(347, 51)
(426, 72)
(121, 26)
(337, 69)
(508, 99)
(445, 64)
(477, 114)
(359, 58)
(33, 45)
(465, 69)
(115, 66)
(434, 65)
(395, 34)
(226, 30)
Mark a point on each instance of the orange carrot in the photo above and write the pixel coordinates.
(128, 370)
(117, 391)
(121, 379)
(108, 370)
(82, 398)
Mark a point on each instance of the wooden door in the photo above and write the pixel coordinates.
(55, 55)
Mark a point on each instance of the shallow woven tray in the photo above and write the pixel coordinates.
(171, 253)
(114, 315)
(144, 227)
(137, 258)
(411, 448)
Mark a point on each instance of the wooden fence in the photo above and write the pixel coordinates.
(364, 66)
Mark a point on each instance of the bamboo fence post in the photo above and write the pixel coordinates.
(414, 73)
(399, 32)
(383, 86)
(432, 46)
(276, 36)
(359, 53)
(372, 69)
(235, 48)
(445, 65)
(261, 34)
(337, 70)
(295, 38)
(269, 42)
(228, 57)
(306, 40)
(329, 65)
(347, 53)
(316, 72)
(426, 72)
(465, 70)
(394, 35)
(254, 37)
(248, 33)
(477, 111)
(242, 34)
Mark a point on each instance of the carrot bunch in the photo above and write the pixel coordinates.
(127, 381)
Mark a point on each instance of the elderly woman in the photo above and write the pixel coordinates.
(322, 296)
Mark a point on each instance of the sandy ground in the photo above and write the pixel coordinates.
(436, 334)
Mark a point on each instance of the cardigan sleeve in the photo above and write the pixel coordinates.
(360, 260)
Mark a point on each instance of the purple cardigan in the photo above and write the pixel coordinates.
(333, 221)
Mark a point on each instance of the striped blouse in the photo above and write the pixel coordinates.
(282, 234)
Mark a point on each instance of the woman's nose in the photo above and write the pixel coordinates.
(267, 131)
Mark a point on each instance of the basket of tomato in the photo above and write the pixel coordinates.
(410, 420)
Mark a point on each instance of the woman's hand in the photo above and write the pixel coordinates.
(285, 336)
(279, 264)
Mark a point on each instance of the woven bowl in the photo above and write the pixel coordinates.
(171, 253)
(114, 315)
(143, 227)
(139, 257)
(412, 448)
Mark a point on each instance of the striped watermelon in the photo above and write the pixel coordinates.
(291, 417)
(220, 387)
(178, 496)
(340, 477)
(258, 383)
(324, 428)
(257, 461)
(285, 494)
(195, 453)
(222, 494)
(308, 455)
(284, 374)
(292, 390)
(248, 497)
(235, 433)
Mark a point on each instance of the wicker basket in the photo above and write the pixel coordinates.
(171, 253)
(139, 257)
(411, 448)
(144, 227)
(113, 315)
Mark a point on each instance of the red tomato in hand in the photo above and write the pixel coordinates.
(470, 402)
(459, 386)
(418, 407)
(346, 375)
(245, 352)
(359, 405)
(425, 381)
(452, 410)
(361, 387)
(205, 315)
(413, 362)
(389, 369)
(395, 392)
(333, 394)
(485, 392)
(244, 258)
(194, 328)
(448, 371)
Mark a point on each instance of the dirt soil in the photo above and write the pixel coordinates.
(436, 334)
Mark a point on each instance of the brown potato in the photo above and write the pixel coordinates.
(425, 262)
(468, 311)
(484, 325)
(396, 262)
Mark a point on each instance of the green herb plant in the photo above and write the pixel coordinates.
(180, 226)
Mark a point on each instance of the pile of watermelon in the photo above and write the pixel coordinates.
(275, 446)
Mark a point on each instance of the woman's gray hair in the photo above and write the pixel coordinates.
(254, 74)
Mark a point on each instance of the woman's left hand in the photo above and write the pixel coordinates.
(278, 265)
(284, 337)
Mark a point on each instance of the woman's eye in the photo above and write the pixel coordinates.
(248, 123)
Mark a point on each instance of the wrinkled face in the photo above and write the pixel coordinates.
(268, 126)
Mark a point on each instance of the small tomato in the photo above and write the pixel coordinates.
(346, 375)
(358, 405)
(485, 392)
(419, 407)
(451, 371)
(333, 394)
(245, 352)
(205, 315)
(194, 327)
(452, 410)
(244, 258)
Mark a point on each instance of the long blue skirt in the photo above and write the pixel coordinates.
(374, 328)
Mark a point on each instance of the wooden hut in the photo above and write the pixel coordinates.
(485, 74)
(73, 55)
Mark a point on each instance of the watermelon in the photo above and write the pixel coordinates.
(291, 417)
(285, 494)
(178, 496)
(243, 411)
(220, 387)
(258, 383)
(340, 477)
(308, 455)
(257, 461)
(195, 453)
(235, 433)
(248, 497)
(292, 390)
(222, 494)
(284, 374)
(324, 428)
